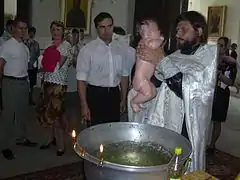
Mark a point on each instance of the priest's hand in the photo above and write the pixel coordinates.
(153, 56)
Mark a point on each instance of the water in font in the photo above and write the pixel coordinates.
(135, 154)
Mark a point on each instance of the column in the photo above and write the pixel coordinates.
(1, 17)
(174, 9)
(24, 10)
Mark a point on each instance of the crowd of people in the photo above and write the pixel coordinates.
(19, 69)
(97, 76)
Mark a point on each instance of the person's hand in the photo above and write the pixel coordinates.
(123, 107)
(153, 56)
(85, 113)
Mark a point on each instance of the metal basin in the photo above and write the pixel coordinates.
(109, 133)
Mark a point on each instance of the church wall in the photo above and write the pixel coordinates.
(45, 11)
(10, 6)
(232, 26)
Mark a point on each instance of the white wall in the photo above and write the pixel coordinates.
(48, 10)
(10, 7)
(232, 27)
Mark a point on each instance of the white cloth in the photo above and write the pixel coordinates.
(168, 110)
(59, 76)
(16, 55)
(227, 74)
(103, 65)
(125, 39)
(122, 38)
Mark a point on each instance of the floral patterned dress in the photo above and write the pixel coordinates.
(51, 102)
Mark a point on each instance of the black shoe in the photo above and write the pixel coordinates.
(46, 146)
(60, 152)
(26, 143)
(8, 154)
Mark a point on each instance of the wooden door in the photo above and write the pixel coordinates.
(24, 10)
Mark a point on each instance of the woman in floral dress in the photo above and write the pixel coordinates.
(54, 86)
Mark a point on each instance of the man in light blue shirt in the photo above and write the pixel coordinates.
(7, 34)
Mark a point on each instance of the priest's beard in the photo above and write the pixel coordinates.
(187, 45)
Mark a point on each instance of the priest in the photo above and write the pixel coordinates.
(188, 78)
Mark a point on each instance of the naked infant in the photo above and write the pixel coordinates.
(152, 38)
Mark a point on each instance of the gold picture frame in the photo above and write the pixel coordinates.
(216, 21)
(85, 9)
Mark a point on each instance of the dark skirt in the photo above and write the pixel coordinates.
(220, 104)
(51, 104)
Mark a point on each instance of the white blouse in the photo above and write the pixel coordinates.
(59, 76)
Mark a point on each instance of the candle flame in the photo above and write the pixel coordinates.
(101, 148)
(74, 134)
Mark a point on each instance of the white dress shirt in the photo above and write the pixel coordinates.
(16, 55)
(103, 65)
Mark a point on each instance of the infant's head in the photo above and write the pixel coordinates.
(149, 26)
(150, 31)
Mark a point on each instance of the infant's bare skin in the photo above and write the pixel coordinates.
(151, 37)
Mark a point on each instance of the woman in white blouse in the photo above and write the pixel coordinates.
(51, 104)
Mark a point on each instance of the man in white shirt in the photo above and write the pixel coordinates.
(102, 66)
(14, 57)
(6, 35)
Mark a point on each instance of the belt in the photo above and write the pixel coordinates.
(16, 78)
(108, 89)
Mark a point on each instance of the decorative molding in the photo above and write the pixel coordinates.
(99, 1)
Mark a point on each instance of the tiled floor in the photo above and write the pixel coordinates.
(33, 159)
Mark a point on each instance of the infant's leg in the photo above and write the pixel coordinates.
(146, 92)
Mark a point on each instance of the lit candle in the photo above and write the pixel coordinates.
(101, 152)
(74, 137)
(82, 151)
